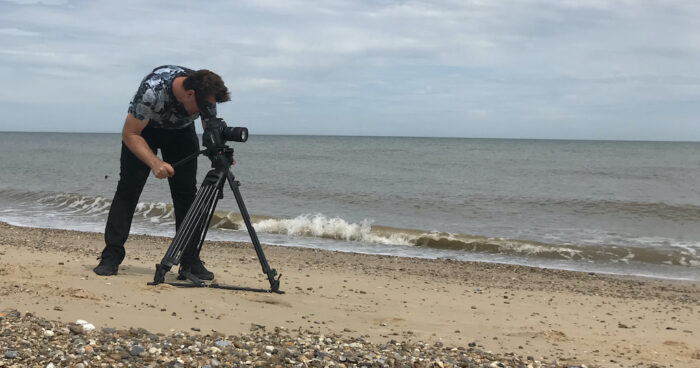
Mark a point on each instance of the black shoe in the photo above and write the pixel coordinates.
(196, 267)
(108, 266)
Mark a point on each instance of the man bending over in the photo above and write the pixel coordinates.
(160, 117)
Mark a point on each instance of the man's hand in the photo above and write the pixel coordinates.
(131, 135)
(162, 170)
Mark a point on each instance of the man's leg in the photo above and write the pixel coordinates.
(183, 189)
(132, 177)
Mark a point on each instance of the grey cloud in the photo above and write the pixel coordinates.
(475, 66)
(15, 32)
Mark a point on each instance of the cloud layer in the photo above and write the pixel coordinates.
(533, 69)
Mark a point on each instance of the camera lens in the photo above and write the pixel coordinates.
(235, 134)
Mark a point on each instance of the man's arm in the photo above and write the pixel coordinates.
(131, 135)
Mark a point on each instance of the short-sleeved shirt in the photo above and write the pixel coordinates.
(155, 102)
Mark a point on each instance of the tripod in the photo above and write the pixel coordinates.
(196, 223)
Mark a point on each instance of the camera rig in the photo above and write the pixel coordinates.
(198, 218)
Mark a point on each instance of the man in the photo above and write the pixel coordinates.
(160, 116)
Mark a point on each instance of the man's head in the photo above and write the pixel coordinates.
(204, 87)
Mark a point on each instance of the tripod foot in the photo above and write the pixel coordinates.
(274, 281)
(159, 277)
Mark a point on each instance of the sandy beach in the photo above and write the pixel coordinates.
(566, 318)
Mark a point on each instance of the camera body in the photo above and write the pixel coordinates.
(216, 134)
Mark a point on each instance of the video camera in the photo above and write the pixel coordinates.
(216, 132)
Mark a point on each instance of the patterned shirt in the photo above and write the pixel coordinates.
(155, 102)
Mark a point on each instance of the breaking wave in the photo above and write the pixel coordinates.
(325, 227)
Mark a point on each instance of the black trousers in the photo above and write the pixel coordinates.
(174, 144)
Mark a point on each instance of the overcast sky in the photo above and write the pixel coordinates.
(582, 69)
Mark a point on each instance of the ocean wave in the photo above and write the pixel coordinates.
(321, 226)
(76, 203)
(335, 228)
(680, 255)
(79, 204)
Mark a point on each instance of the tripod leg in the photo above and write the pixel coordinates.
(185, 272)
(205, 229)
(198, 215)
(185, 234)
(271, 273)
(168, 261)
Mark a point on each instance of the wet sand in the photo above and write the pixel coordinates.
(567, 317)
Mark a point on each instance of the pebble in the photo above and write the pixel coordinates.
(136, 350)
(71, 346)
(86, 326)
(75, 328)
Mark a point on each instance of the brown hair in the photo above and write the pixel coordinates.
(206, 83)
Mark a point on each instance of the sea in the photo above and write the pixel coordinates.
(616, 207)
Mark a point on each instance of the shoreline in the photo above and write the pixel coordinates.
(600, 270)
(570, 316)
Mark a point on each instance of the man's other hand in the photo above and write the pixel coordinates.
(162, 170)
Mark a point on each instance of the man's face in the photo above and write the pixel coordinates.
(190, 102)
